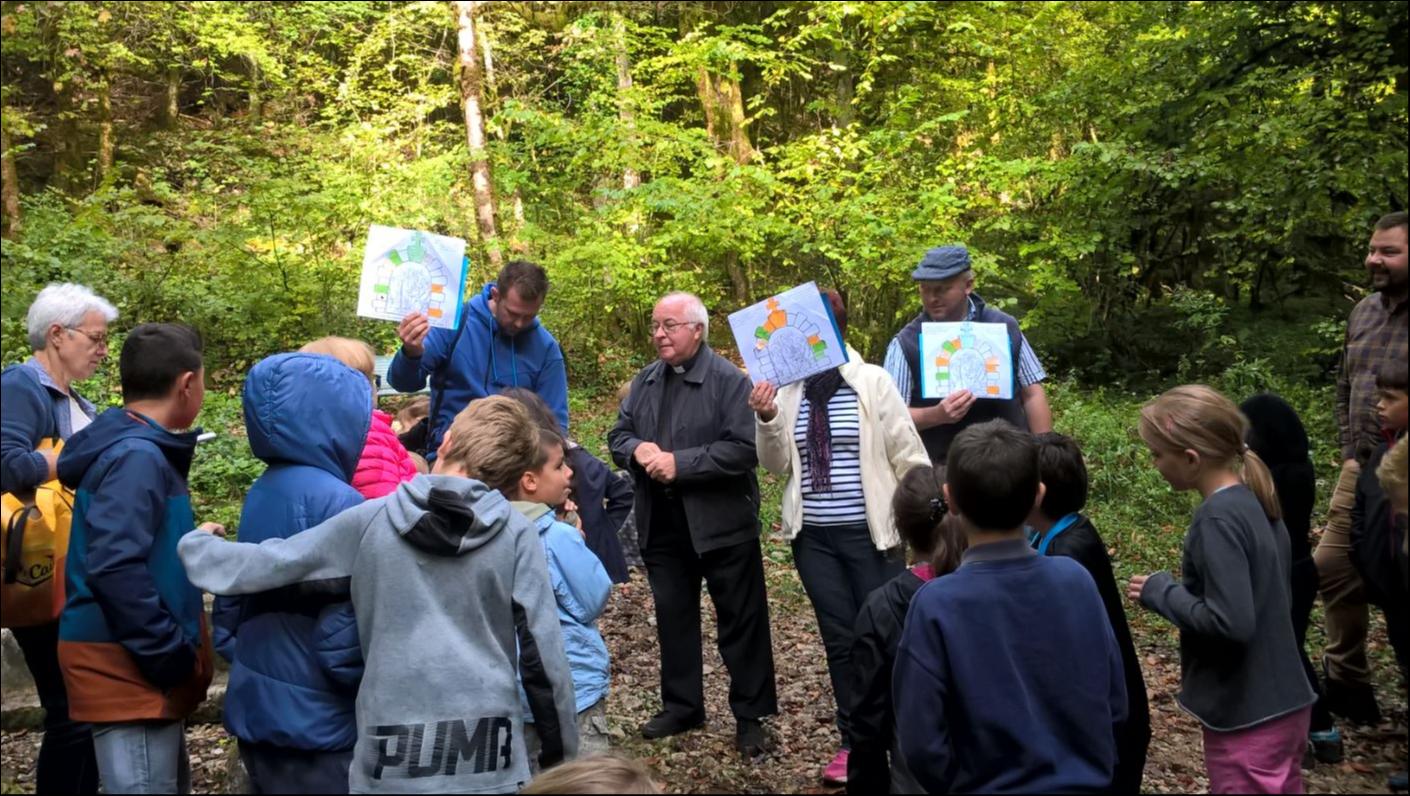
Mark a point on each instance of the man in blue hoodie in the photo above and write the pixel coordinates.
(498, 344)
(294, 658)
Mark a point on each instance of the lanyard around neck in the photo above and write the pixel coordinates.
(1058, 527)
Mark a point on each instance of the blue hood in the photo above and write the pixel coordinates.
(112, 426)
(308, 409)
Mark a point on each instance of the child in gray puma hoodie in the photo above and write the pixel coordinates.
(440, 571)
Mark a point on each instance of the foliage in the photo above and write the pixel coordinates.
(1146, 184)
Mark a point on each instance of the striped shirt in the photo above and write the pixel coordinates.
(845, 503)
(1030, 370)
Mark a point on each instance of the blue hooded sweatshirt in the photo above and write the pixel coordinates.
(581, 587)
(485, 361)
(133, 642)
(294, 654)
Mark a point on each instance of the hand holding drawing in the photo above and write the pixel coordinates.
(761, 400)
(953, 408)
(413, 330)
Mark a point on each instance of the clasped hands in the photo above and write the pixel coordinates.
(659, 464)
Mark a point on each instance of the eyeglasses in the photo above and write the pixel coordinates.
(99, 339)
(670, 326)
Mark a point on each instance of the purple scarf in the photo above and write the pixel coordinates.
(819, 389)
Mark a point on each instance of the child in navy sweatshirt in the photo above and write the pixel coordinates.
(999, 687)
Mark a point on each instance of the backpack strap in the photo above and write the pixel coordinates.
(14, 541)
(438, 382)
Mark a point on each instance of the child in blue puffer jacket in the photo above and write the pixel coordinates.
(581, 586)
(294, 654)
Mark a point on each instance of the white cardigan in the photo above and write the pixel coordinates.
(890, 446)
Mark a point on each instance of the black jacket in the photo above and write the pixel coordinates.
(1277, 435)
(604, 501)
(1083, 544)
(1375, 539)
(872, 719)
(713, 434)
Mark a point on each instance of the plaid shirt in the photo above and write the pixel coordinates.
(1376, 330)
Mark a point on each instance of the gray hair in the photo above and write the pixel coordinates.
(695, 311)
(64, 304)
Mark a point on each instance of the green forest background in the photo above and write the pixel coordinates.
(1162, 191)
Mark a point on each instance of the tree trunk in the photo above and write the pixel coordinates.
(471, 87)
(105, 127)
(487, 50)
(724, 114)
(846, 92)
(9, 188)
(64, 137)
(630, 177)
(172, 110)
(723, 102)
(256, 99)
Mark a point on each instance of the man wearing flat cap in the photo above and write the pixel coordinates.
(946, 285)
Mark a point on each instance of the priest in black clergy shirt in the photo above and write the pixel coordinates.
(686, 434)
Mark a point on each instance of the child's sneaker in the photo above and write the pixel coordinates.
(1326, 745)
(836, 771)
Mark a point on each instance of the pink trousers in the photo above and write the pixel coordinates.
(1264, 758)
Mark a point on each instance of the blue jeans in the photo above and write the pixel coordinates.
(143, 757)
(839, 567)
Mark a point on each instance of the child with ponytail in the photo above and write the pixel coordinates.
(936, 542)
(1240, 671)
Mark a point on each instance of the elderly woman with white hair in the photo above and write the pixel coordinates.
(68, 331)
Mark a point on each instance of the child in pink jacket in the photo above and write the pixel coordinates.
(384, 462)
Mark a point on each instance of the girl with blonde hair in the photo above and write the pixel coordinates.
(384, 463)
(1240, 671)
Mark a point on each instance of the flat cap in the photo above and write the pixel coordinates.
(942, 262)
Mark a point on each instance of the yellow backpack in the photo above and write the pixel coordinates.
(34, 545)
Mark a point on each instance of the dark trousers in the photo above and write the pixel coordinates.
(1304, 593)
(274, 769)
(735, 577)
(839, 567)
(66, 761)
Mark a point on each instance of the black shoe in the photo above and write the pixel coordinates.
(666, 724)
(749, 737)
(1354, 702)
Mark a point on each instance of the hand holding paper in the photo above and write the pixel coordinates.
(413, 330)
(761, 400)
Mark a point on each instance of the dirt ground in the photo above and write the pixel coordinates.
(704, 761)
